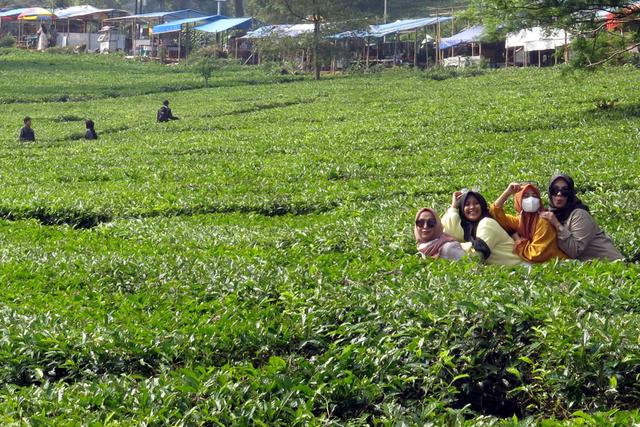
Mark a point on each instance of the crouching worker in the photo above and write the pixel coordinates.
(91, 132)
(164, 113)
(535, 237)
(469, 221)
(432, 240)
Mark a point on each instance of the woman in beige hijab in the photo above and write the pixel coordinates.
(433, 242)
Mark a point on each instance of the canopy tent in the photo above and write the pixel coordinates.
(226, 24)
(289, 30)
(177, 25)
(96, 15)
(63, 13)
(472, 35)
(537, 39)
(13, 13)
(400, 27)
(165, 16)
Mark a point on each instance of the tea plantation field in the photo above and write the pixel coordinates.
(254, 262)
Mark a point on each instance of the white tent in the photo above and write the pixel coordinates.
(536, 39)
(63, 13)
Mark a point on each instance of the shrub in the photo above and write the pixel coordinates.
(8, 41)
(60, 50)
(162, 53)
(209, 52)
(204, 68)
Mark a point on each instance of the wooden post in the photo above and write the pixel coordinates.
(426, 49)
(539, 60)
(395, 49)
(368, 52)
(453, 28)
(566, 53)
(555, 56)
(506, 57)
(236, 46)
(186, 43)
(415, 51)
(180, 44)
(480, 50)
(437, 38)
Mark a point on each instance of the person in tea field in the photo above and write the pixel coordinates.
(432, 240)
(579, 235)
(164, 113)
(535, 237)
(43, 39)
(90, 132)
(26, 133)
(53, 35)
(469, 221)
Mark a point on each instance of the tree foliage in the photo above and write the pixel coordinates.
(327, 16)
(596, 38)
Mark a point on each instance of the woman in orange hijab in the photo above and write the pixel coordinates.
(535, 237)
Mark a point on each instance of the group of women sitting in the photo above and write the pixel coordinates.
(565, 231)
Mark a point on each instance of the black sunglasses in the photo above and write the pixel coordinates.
(565, 191)
(429, 223)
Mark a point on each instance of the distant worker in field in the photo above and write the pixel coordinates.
(91, 132)
(26, 133)
(53, 35)
(535, 237)
(164, 113)
(432, 241)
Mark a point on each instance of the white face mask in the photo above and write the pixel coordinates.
(531, 204)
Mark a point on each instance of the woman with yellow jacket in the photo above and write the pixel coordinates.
(468, 220)
(535, 237)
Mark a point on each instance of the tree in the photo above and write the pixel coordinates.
(325, 15)
(205, 67)
(239, 10)
(597, 39)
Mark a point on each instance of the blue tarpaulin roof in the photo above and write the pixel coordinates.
(13, 13)
(226, 24)
(63, 13)
(260, 32)
(177, 25)
(284, 30)
(94, 15)
(472, 35)
(405, 26)
(167, 16)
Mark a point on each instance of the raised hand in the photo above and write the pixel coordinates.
(455, 199)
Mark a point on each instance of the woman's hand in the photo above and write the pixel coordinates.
(455, 199)
(515, 236)
(513, 188)
(549, 216)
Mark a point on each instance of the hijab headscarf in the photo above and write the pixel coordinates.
(573, 203)
(470, 227)
(432, 250)
(528, 220)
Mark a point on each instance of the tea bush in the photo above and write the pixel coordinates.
(254, 264)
